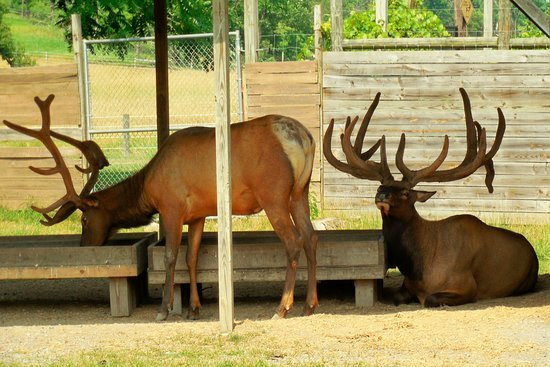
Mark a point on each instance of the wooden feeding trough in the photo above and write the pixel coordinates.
(357, 255)
(122, 259)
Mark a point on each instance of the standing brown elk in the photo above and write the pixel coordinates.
(272, 160)
(447, 262)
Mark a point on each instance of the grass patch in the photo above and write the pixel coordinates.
(37, 36)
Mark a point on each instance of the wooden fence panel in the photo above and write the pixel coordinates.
(19, 186)
(420, 97)
(286, 88)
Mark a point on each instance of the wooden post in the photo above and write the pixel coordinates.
(317, 22)
(223, 163)
(161, 62)
(382, 13)
(336, 24)
(504, 20)
(161, 77)
(251, 30)
(78, 51)
(122, 296)
(487, 18)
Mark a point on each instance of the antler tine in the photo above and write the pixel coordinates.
(358, 146)
(412, 178)
(369, 170)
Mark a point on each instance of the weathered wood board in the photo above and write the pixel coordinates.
(60, 257)
(286, 88)
(260, 256)
(420, 97)
(18, 87)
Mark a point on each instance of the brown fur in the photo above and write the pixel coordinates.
(452, 261)
(270, 171)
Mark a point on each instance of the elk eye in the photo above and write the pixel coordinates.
(84, 221)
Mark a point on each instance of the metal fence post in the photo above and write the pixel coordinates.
(126, 135)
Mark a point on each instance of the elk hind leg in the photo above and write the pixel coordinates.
(172, 227)
(279, 218)
(461, 293)
(195, 233)
(300, 214)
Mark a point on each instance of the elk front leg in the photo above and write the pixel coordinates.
(195, 233)
(172, 229)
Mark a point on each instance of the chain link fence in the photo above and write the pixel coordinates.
(121, 95)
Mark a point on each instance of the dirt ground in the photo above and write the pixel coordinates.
(43, 321)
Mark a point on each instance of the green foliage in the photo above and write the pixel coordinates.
(10, 50)
(402, 22)
(314, 211)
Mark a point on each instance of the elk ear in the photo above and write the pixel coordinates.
(422, 196)
(91, 202)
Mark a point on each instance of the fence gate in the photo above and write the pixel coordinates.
(121, 97)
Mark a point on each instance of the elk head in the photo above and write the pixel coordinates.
(397, 198)
(71, 201)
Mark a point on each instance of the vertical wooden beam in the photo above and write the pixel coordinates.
(161, 62)
(251, 30)
(317, 22)
(382, 13)
(336, 24)
(78, 51)
(504, 21)
(487, 18)
(122, 296)
(223, 163)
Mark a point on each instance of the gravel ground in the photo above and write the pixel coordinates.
(43, 321)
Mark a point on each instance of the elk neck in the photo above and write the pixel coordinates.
(403, 244)
(127, 203)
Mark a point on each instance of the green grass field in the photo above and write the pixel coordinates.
(37, 36)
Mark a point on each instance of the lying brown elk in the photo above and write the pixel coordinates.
(451, 261)
(272, 160)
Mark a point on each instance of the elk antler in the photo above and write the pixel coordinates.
(69, 202)
(359, 166)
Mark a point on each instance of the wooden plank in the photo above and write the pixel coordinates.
(66, 272)
(330, 105)
(277, 79)
(275, 275)
(450, 82)
(284, 100)
(277, 67)
(435, 69)
(508, 97)
(438, 56)
(40, 70)
(251, 31)
(462, 205)
(443, 191)
(283, 89)
(337, 24)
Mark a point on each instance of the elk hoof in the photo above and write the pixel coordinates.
(162, 315)
(308, 310)
(280, 314)
(193, 314)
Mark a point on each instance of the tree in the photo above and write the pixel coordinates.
(10, 51)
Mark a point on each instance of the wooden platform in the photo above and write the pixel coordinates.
(121, 260)
(357, 255)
